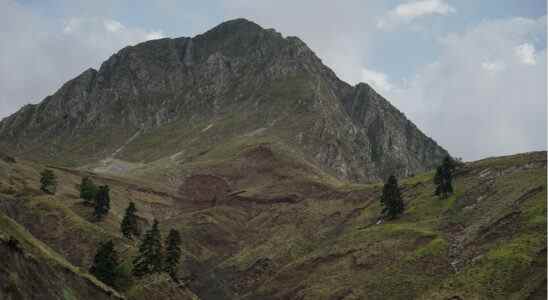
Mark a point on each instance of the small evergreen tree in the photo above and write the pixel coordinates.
(102, 202)
(88, 189)
(48, 181)
(391, 198)
(105, 263)
(438, 180)
(129, 226)
(149, 259)
(173, 254)
(444, 178)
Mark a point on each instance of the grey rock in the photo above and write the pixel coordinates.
(236, 70)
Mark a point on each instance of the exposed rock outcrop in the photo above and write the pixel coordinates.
(236, 81)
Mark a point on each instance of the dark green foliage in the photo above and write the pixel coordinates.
(105, 263)
(173, 254)
(13, 244)
(48, 182)
(444, 177)
(149, 259)
(129, 226)
(391, 199)
(102, 202)
(88, 189)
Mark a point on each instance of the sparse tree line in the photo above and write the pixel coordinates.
(96, 196)
(151, 257)
(392, 202)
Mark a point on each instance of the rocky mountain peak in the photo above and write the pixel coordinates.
(237, 79)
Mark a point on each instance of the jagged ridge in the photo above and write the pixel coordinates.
(237, 78)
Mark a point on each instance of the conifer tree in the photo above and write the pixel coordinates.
(48, 182)
(173, 254)
(88, 189)
(444, 177)
(129, 225)
(391, 198)
(149, 259)
(102, 202)
(105, 263)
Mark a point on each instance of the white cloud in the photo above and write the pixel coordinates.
(493, 66)
(154, 35)
(113, 25)
(376, 79)
(407, 12)
(43, 53)
(526, 54)
(107, 34)
(474, 114)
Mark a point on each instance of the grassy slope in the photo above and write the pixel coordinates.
(66, 225)
(50, 273)
(478, 244)
(412, 257)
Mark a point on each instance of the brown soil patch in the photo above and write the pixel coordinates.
(205, 189)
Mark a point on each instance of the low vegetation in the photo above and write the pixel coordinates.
(307, 238)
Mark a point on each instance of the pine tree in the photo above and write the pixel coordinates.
(444, 177)
(129, 226)
(438, 181)
(48, 181)
(149, 259)
(102, 202)
(173, 254)
(391, 198)
(88, 189)
(105, 263)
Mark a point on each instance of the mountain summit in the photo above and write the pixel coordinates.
(236, 86)
(242, 145)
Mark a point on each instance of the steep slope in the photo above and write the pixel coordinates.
(65, 225)
(313, 237)
(237, 83)
(30, 270)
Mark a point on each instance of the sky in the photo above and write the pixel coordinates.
(471, 74)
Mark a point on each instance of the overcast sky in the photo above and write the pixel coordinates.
(471, 74)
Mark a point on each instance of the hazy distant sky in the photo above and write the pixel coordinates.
(471, 74)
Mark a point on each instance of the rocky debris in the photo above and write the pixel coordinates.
(455, 239)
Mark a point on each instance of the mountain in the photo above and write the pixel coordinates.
(269, 166)
(237, 84)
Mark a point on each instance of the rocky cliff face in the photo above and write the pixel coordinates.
(237, 81)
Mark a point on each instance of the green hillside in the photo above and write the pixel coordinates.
(307, 236)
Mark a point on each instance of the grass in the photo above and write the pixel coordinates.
(328, 243)
(436, 247)
(39, 250)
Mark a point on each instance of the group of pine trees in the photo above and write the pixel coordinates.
(391, 199)
(151, 258)
(96, 196)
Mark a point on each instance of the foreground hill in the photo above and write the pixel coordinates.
(172, 101)
(316, 238)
